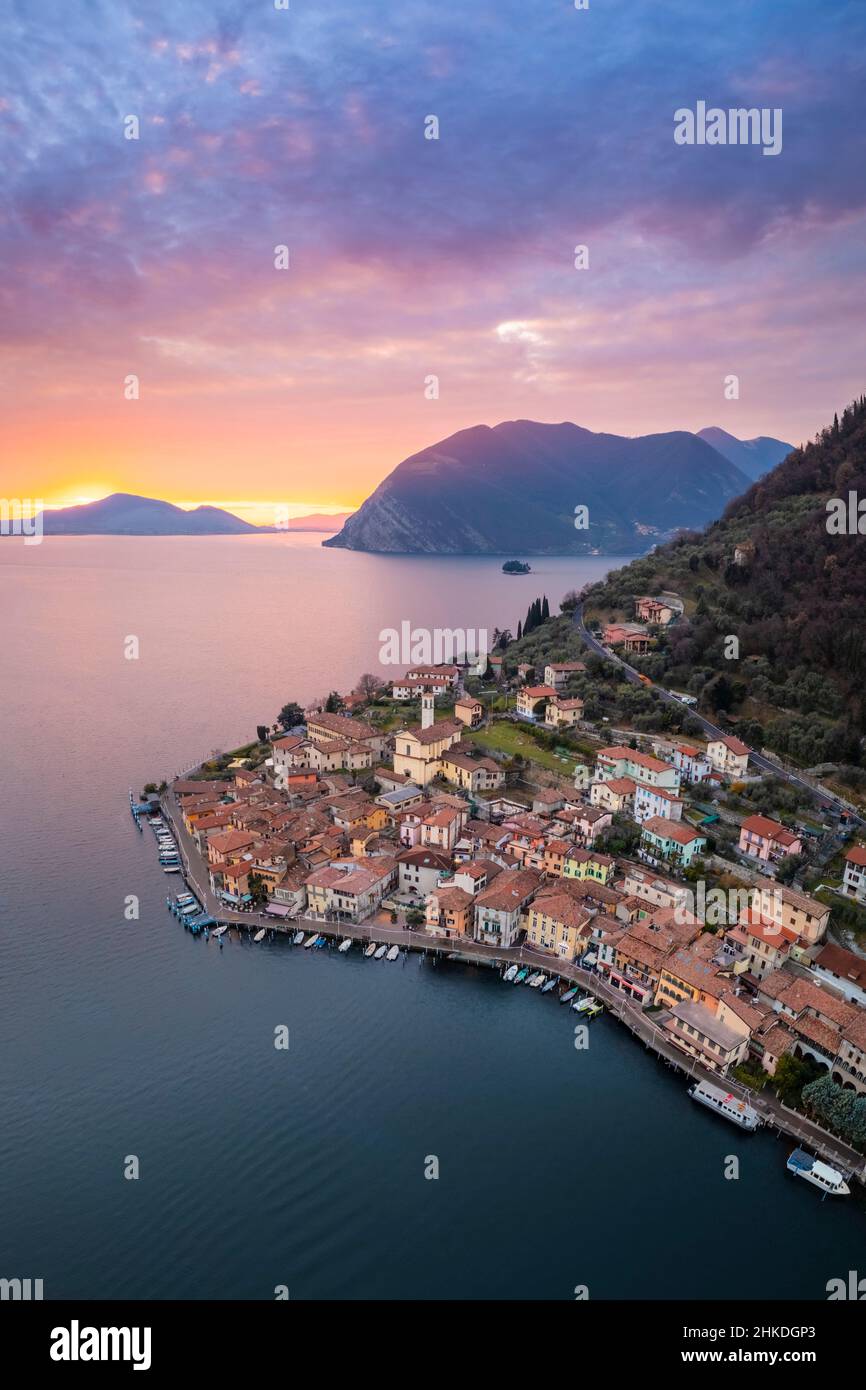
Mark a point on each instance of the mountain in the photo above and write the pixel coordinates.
(319, 521)
(124, 514)
(514, 489)
(776, 574)
(754, 457)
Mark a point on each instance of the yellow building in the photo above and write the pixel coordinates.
(586, 864)
(418, 752)
(556, 923)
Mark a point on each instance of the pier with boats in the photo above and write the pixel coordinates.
(579, 989)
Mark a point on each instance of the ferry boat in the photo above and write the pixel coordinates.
(381, 951)
(725, 1103)
(297, 938)
(311, 940)
(371, 949)
(569, 994)
(831, 1182)
(344, 945)
(510, 973)
(394, 953)
(259, 936)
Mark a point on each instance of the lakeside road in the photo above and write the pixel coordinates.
(642, 1026)
(765, 764)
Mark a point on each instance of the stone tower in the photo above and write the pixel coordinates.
(427, 715)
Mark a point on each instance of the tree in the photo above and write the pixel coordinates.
(369, 685)
(545, 610)
(789, 867)
(290, 715)
(334, 703)
(570, 601)
(519, 630)
(262, 733)
(258, 892)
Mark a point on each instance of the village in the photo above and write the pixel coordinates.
(348, 820)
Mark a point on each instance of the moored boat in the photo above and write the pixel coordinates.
(725, 1103)
(536, 981)
(297, 938)
(320, 942)
(394, 953)
(510, 973)
(550, 984)
(569, 994)
(311, 940)
(220, 931)
(521, 976)
(371, 949)
(820, 1175)
(344, 945)
(380, 952)
(259, 936)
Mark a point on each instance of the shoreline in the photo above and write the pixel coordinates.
(775, 1116)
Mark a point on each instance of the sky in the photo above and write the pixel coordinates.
(411, 258)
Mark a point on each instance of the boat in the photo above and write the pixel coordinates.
(311, 940)
(381, 951)
(581, 1005)
(394, 953)
(536, 981)
(725, 1103)
(569, 994)
(344, 945)
(297, 938)
(371, 949)
(510, 973)
(521, 976)
(821, 1175)
(321, 941)
(550, 984)
(594, 1010)
(259, 934)
(171, 868)
(220, 931)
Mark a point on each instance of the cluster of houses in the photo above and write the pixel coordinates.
(437, 842)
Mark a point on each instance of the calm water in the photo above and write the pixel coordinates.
(306, 1168)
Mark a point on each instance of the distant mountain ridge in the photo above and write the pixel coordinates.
(513, 489)
(127, 514)
(754, 457)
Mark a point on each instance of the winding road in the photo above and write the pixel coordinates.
(712, 730)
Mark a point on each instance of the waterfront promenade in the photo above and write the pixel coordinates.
(642, 1025)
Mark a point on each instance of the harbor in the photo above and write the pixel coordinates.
(583, 990)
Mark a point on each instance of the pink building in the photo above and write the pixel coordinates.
(766, 839)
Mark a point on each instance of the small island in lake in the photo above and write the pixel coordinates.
(516, 567)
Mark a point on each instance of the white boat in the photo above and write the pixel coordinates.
(310, 939)
(380, 953)
(344, 945)
(581, 1006)
(297, 938)
(819, 1174)
(394, 953)
(220, 931)
(171, 868)
(725, 1103)
(371, 949)
(259, 934)
(510, 973)
(536, 981)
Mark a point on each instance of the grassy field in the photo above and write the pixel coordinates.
(504, 737)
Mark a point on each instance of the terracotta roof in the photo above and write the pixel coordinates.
(857, 855)
(509, 890)
(842, 963)
(442, 729)
(671, 830)
(768, 829)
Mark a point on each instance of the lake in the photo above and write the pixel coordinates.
(306, 1167)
